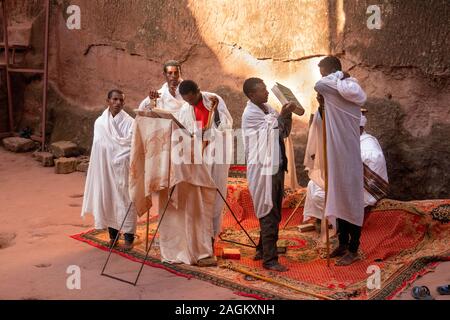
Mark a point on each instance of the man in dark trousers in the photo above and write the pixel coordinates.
(264, 130)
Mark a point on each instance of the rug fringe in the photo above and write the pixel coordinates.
(249, 295)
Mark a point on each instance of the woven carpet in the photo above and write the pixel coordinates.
(403, 239)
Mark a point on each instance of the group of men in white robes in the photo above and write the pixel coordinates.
(108, 171)
(206, 116)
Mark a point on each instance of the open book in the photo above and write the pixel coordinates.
(285, 95)
(161, 114)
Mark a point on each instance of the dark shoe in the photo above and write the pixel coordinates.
(258, 256)
(348, 259)
(444, 290)
(421, 293)
(338, 252)
(127, 245)
(111, 242)
(276, 267)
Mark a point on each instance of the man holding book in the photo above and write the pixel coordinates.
(264, 130)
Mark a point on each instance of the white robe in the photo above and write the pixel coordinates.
(343, 100)
(106, 191)
(166, 101)
(218, 154)
(262, 150)
(371, 155)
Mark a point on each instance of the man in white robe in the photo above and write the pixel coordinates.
(371, 155)
(343, 98)
(264, 130)
(217, 155)
(168, 97)
(106, 191)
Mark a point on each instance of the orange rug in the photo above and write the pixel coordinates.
(403, 239)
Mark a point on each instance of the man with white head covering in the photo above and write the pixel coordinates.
(344, 206)
(106, 192)
(168, 97)
(373, 160)
(376, 182)
(372, 157)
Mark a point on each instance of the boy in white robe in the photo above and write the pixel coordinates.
(106, 191)
(264, 130)
(194, 115)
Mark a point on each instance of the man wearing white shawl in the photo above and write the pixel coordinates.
(343, 98)
(371, 155)
(106, 191)
(263, 132)
(217, 155)
(168, 97)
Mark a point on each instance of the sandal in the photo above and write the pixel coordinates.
(421, 293)
(444, 290)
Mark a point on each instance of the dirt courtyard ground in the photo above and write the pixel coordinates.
(40, 210)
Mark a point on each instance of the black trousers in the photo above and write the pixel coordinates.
(129, 237)
(349, 235)
(269, 224)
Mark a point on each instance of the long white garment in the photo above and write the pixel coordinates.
(166, 101)
(218, 153)
(106, 191)
(314, 159)
(345, 169)
(314, 201)
(262, 150)
(372, 156)
(186, 228)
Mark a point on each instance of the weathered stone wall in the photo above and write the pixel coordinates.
(404, 66)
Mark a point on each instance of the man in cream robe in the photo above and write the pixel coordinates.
(343, 98)
(106, 191)
(168, 97)
(371, 155)
(217, 155)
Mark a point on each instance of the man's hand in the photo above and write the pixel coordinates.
(153, 94)
(214, 101)
(288, 108)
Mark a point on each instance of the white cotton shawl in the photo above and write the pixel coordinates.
(166, 101)
(262, 148)
(106, 191)
(343, 100)
(218, 154)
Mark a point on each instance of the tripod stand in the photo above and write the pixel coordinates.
(154, 235)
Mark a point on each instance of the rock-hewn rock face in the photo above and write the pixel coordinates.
(404, 66)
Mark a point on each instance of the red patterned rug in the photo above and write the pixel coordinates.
(402, 239)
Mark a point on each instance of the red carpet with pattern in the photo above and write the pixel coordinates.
(402, 239)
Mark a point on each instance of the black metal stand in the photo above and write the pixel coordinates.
(156, 231)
